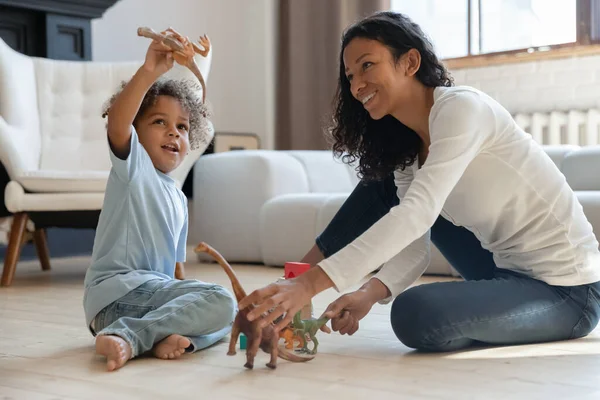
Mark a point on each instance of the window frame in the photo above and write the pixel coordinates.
(587, 41)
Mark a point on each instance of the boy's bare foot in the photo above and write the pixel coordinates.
(171, 347)
(116, 350)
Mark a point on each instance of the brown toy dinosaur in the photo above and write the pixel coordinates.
(184, 49)
(266, 338)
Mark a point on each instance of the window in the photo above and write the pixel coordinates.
(460, 28)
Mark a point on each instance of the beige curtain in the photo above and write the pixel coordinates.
(309, 33)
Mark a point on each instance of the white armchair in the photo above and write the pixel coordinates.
(53, 143)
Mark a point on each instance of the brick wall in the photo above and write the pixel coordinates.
(561, 84)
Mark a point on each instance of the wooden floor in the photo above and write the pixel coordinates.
(47, 353)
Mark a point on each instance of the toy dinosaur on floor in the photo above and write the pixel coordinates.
(308, 328)
(289, 337)
(264, 338)
(184, 49)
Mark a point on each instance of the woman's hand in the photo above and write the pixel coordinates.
(285, 297)
(349, 309)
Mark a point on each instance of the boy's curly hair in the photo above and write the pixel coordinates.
(189, 96)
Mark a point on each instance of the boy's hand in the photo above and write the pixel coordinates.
(159, 59)
(186, 56)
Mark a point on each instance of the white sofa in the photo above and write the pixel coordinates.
(268, 206)
(53, 138)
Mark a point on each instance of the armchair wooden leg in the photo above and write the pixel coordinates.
(17, 231)
(41, 247)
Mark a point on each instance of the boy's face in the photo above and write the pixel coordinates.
(164, 132)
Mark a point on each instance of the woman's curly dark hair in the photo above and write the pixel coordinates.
(381, 146)
(187, 93)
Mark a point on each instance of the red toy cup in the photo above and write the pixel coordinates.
(293, 269)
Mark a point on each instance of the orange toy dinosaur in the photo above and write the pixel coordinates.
(288, 335)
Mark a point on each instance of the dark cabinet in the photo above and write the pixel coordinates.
(57, 29)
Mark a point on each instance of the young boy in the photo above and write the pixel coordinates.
(132, 302)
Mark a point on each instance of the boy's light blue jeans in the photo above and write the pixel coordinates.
(491, 306)
(200, 311)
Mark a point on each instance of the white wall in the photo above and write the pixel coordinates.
(569, 83)
(241, 84)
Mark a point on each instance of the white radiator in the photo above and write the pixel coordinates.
(576, 127)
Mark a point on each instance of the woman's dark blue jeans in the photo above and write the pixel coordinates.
(491, 306)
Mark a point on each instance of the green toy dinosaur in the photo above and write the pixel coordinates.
(310, 327)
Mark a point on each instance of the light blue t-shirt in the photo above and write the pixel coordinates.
(141, 232)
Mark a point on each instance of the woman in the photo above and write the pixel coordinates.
(448, 165)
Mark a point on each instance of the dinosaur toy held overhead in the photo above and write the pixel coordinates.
(265, 338)
(184, 49)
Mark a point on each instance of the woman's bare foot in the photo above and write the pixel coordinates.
(116, 350)
(171, 347)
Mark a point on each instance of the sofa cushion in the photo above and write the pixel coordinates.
(229, 190)
(70, 96)
(288, 226)
(581, 168)
(329, 208)
(17, 200)
(590, 201)
(50, 181)
(18, 103)
(70, 100)
(558, 152)
(325, 173)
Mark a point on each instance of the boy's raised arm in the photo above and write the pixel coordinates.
(159, 59)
